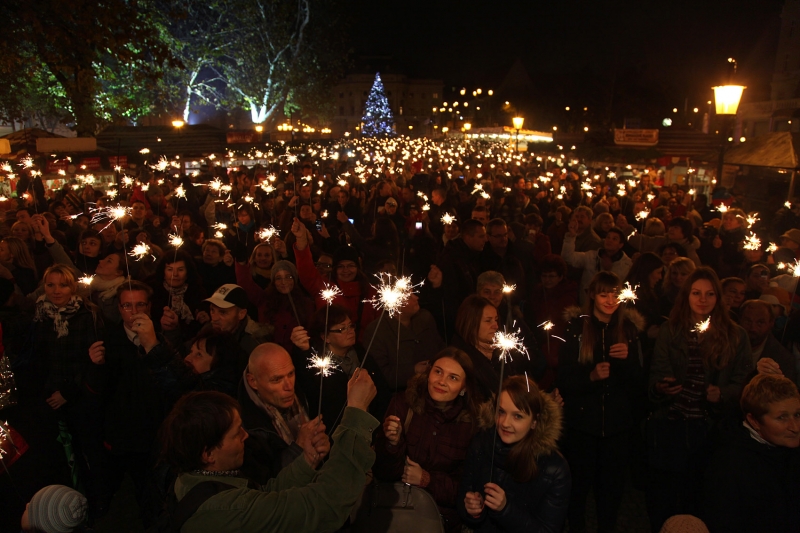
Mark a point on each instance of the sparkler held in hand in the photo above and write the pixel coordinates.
(328, 293)
(324, 366)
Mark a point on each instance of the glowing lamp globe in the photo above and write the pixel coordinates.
(518, 121)
(727, 98)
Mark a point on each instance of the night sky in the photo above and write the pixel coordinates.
(621, 58)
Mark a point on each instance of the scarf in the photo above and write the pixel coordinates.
(59, 315)
(107, 289)
(754, 434)
(286, 424)
(178, 304)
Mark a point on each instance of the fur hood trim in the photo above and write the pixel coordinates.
(415, 396)
(548, 428)
(632, 315)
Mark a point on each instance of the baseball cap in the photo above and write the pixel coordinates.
(229, 295)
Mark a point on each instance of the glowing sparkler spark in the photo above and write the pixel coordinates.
(86, 280)
(6, 167)
(702, 327)
(215, 185)
(508, 289)
(111, 214)
(111, 193)
(772, 248)
(507, 343)
(145, 187)
(795, 268)
(426, 207)
(162, 164)
(144, 151)
(266, 234)
(627, 294)
(324, 365)
(329, 293)
(291, 159)
(547, 325)
(220, 225)
(448, 219)
(62, 172)
(27, 162)
(175, 240)
(787, 204)
(752, 242)
(218, 235)
(324, 214)
(140, 251)
(127, 181)
(752, 219)
(390, 297)
(722, 208)
(642, 215)
(180, 192)
(691, 192)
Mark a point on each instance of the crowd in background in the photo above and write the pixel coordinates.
(213, 282)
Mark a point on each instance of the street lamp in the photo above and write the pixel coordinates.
(726, 98)
(518, 121)
(467, 127)
(177, 123)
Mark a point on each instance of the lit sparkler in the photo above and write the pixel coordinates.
(448, 219)
(329, 293)
(642, 215)
(175, 240)
(507, 343)
(140, 251)
(86, 280)
(702, 327)
(752, 242)
(722, 208)
(627, 294)
(266, 234)
(752, 219)
(323, 365)
(772, 248)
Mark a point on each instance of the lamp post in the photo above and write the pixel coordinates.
(467, 127)
(726, 98)
(517, 121)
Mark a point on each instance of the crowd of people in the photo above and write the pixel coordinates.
(165, 332)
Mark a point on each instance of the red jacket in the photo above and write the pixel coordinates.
(352, 297)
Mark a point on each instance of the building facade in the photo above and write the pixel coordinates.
(411, 101)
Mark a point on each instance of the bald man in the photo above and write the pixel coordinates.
(272, 413)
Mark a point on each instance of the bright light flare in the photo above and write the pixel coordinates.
(175, 240)
(140, 251)
(448, 219)
(702, 327)
(324, 366)
(329, 293)
(86, 280)
(752, 242)
(627, 294)
(266, 234)
(507, 343)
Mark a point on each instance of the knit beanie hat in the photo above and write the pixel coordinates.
(57, 509)
(345, 253)
(284, 265)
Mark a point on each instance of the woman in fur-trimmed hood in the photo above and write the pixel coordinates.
(428, 428)
(599, 376)
(514, 477)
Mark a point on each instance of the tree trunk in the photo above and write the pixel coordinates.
(81, 92)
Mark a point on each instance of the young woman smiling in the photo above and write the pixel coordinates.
(517, 481)
(428, 428)
(696, 378)
(599, 374)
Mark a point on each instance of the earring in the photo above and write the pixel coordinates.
(462, 392)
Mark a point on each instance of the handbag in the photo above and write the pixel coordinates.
(395, 508)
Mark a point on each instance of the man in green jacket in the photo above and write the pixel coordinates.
(203, 439)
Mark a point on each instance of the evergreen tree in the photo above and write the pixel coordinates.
(377, 120)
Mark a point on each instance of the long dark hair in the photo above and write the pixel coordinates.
(719, 341)
(526, 397)
(468, 318)
(640, 271)
(603, 281)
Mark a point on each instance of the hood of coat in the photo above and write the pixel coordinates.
(548, 429)
(631, 315)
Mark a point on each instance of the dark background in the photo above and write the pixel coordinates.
(618, 58)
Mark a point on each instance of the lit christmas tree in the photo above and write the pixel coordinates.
(377, 120)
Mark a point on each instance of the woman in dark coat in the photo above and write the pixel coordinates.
(428, 428)
(176, 286)
(514, 479)
(599, 378)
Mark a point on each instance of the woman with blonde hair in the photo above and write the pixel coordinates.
(514, 479)
(599, 373)
(700, 363)
(678, 271)
(66, 371)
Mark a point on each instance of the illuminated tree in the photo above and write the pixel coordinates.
(377, 120)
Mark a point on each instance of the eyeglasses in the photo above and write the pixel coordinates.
(343, 266)
(285, 278)
(342, 330)
(139, 305)
(320, 264)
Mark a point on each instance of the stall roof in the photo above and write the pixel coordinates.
(775, 150)
(189, 140)
(23, 142)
